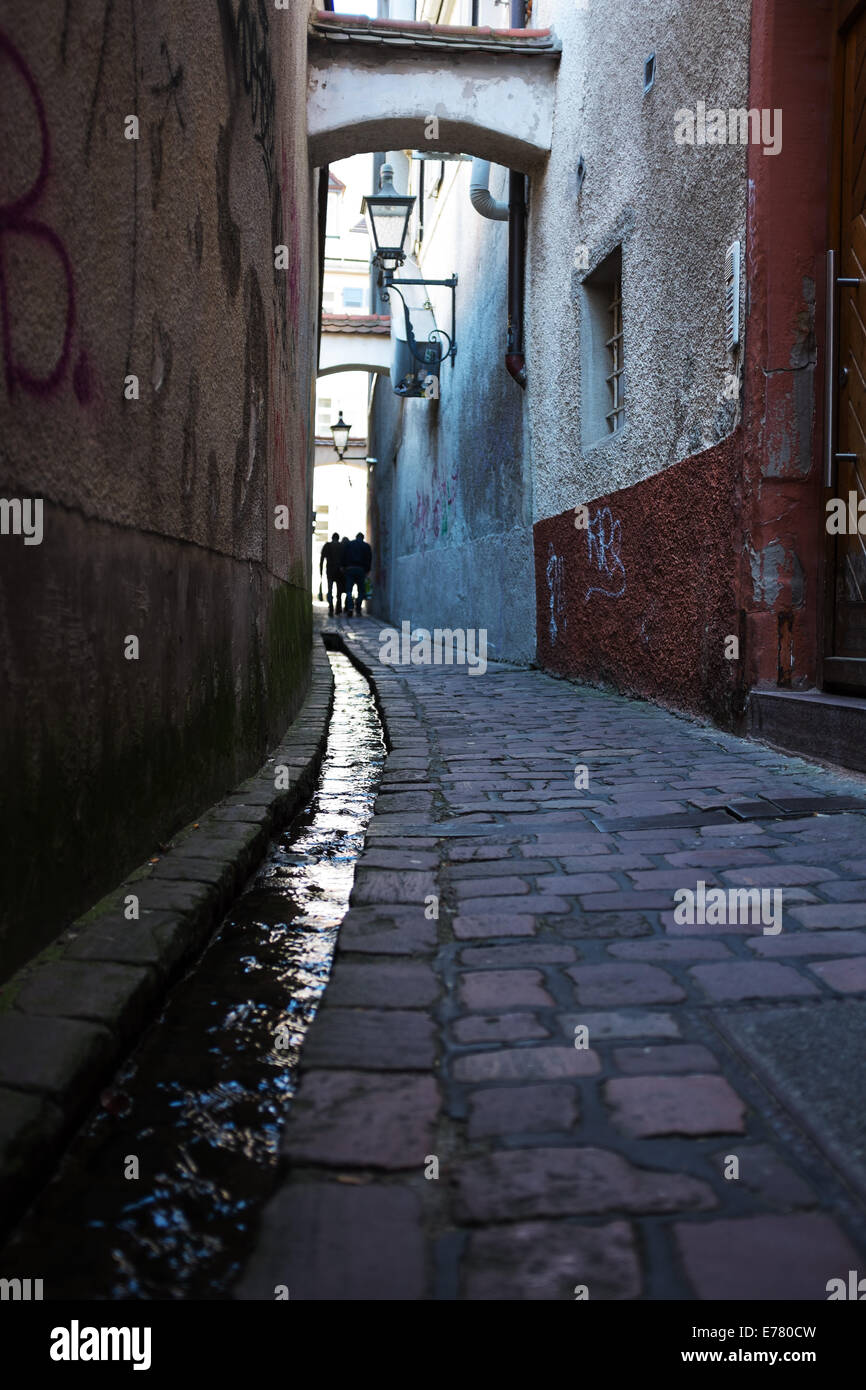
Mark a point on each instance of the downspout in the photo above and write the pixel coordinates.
(324, 175)
(480, 196)
(515, 361)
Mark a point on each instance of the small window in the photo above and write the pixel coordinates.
(323, 415)
(353, 298)
(602, 360)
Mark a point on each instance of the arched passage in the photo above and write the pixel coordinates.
(374, 85)
(355, 343)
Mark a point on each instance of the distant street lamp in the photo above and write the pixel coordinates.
(340, 430)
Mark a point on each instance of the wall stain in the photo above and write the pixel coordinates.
(228, 231)
(169, 89)
(251, 453)
(189, 456)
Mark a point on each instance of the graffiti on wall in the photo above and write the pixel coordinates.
(555, 589)
(169, 90)
(17, 220)
(269, 404)
(246, 41)
(429, 516)
(603, 544)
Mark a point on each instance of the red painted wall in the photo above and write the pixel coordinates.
(791, 62)
(645, 597)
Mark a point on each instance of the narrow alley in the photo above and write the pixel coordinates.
(432, 677)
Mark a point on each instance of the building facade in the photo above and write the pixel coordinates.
(648, 509)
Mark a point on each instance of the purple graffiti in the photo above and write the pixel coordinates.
(15, 219)
(603, 540)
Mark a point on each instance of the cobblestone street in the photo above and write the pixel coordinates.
(700, 1139)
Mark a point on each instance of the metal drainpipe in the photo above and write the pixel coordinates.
(324, 175)
(515, 362)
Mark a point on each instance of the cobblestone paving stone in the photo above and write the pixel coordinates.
(539, 1091)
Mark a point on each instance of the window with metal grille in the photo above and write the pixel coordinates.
(602, 359)
(616, 414)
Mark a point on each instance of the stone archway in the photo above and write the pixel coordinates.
(380, 85)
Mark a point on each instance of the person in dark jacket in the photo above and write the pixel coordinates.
(357, 562)
(342, 581)
(331, 556)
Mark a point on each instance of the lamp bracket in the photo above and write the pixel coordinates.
(451, 284)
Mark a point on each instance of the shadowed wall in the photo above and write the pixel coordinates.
(154, 258)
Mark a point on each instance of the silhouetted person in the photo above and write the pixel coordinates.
(357, 563)
(331, 556)
(341, 582)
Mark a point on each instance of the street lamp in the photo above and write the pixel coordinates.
(416, 364)
(387, 213)
(340, 430)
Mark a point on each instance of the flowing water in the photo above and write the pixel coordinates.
(201, 1102)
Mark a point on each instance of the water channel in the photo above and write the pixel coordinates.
(201, 1102)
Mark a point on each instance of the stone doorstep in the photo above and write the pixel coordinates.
(70, 1020)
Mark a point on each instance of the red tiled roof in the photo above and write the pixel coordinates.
(421, 33)
(356, 323)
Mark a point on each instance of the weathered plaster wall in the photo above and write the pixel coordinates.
(673, 208)
(450, 498)
(153, 257)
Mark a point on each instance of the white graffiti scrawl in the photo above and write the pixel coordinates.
(555, 569)
(603, 541)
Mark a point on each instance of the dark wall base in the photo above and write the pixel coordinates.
(103, 757)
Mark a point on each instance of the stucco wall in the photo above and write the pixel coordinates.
(154, 257)
(674, 209)
(647, 597)
(450, 502)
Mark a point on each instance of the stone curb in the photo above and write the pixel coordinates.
(367, 1093)
(68, 1017)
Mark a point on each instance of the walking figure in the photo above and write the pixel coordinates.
(331, 554)
(357, 562)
